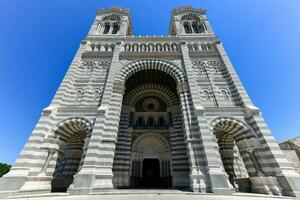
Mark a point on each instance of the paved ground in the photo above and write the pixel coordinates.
(153, 195)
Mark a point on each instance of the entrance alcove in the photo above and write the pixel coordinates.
(151, 135)
(151, 159)
(235, 143)
(70, 155)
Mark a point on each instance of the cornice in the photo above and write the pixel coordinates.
(206, 38)
(95, 54)
(204, 54)
(150, 55)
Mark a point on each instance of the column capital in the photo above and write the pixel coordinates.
(183, 87)
(119, 87)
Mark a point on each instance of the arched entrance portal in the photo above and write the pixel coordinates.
(151, 151)
(71, 135)
(151, 162)
(239, 151)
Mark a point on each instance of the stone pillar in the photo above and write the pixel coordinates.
(208, 158)
(123, 151)
(197, 179)
(96, 173)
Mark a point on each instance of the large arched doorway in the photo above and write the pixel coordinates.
(71, 135)
(151, 151)
(151, 159)
(238, 150)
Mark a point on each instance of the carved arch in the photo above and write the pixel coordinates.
(161, 65)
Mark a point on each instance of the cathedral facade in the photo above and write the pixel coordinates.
(151, 112)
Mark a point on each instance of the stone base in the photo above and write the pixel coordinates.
(180, 180)
(220, 185)
(265, 185)
(12, 183)
(37, 183)
(244, 184)
(291, 185)
(90, 184)
(20, 186)
(121, 181)
(82, 184)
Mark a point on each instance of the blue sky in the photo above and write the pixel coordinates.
(39, 39)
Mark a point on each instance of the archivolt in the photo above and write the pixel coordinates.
(150, 90)
(76, 128)
(112, 17)
(152, 139)
(190, 16)
(232, 127)
(161, 65)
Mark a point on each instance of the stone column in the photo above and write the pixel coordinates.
(96, 173)
(208, 157)
(197, 179)
(123, 151)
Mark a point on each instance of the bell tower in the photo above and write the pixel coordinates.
(187, 21)
(111, 23)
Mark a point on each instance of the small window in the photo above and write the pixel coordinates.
(225, 94)
(151, 122)
(161, 122)
(116, 28)
(187, 27)
(201, 28)
(195, 27)
(207, 95)
(140, 121)
(106, 28)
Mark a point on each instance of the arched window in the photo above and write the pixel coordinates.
(216, 70)
(207, 94)
(135, 47)
(106, 28)
(210, 47)
(158, 47)
(93, 47)
(79, 94)
(190, 47)
(187, 28)
(106, 47)
(161, 122)
(116, 28)
(225, 94)
(202, 70)
(166, 47)
(127, 47)
(140, 121)
(174, 47)
(201, 28)
(151, 122)
(195, 47)
(204, 47)
(195, 27)
(98, 47)
(143, 47)
(112, 47)
(150, 47)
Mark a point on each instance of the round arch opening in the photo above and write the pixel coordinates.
(151, 110)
